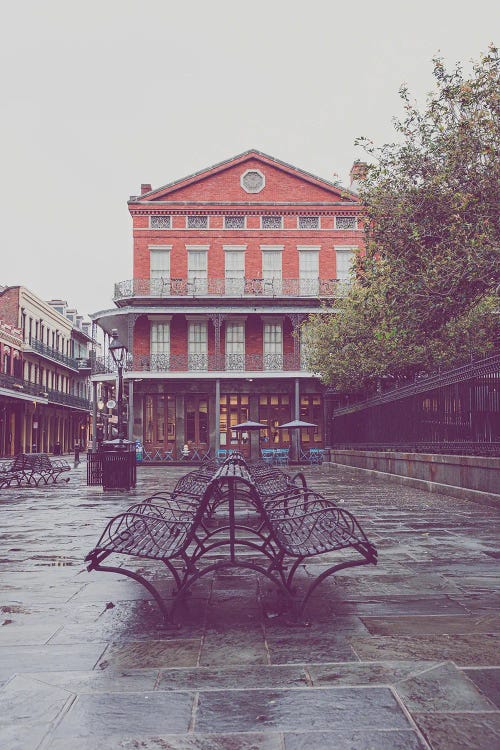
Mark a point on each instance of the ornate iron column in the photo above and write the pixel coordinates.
(217, 320)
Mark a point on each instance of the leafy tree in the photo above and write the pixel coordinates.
(427, 283)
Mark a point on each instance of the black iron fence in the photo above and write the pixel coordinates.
(457, 411)
(94, 469)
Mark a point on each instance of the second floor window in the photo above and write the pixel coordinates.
(235, 345)
(160, 338)
(197, 345)
(273, 346)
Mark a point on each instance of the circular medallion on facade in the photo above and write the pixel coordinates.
(252, 181)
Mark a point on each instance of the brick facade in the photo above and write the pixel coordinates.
(310, 250)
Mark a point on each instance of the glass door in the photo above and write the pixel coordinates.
(159, 425)
(234, 410)
(273, 411)
(196, 421)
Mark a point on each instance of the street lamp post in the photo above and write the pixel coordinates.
(119, 353)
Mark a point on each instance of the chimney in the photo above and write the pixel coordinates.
(357, 174)
(145, 188)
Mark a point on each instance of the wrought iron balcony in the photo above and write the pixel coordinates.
(18, 386)
(237, 363)
(68, 399)
(104, 365)
(53, 354)
(202, 287)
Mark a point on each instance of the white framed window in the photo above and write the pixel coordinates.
(271, 222)
(235, 345)
(197, 269)
(160, 342)
(344, 256)
(308, 222)
(197, 345)
(272, 268)
(273, 345)
(197, 222)
(159, 269)
(308, 270)
(160, 222)
(234, 222)
(234, 269)
(346, 222)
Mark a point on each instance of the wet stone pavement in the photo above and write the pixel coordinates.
(402, 656)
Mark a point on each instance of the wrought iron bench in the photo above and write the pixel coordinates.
(180, 528)
(33, 469)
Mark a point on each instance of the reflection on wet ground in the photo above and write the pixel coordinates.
(404, 655)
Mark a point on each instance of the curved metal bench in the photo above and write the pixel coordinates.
(33, 469)
(292, 524)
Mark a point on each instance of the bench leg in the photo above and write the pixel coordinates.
(147, 585)
(325, 574)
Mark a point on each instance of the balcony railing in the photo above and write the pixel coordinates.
(68, 399)
(18, 385)
(201, 287)
(47, 351)
(215, 363)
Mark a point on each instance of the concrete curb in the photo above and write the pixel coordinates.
(463, 493)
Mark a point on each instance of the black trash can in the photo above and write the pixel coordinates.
(118, 464)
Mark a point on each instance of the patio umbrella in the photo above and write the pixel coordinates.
(248, 425)
(296, 424)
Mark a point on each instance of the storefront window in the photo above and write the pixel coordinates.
(273, 411)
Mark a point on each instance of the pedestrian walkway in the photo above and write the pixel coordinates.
(403, 656)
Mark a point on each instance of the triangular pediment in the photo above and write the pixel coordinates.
(251, 177)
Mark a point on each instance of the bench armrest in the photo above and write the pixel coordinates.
(146, 535)
(321, 529)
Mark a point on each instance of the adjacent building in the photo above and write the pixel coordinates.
(228, 263)
(45, 351)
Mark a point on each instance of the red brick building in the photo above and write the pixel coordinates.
(228, 263)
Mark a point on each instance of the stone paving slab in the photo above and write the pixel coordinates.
(285, 710)
(399, 656)
(488, 682)
(460, 731)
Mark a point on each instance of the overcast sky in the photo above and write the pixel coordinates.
(98, 97)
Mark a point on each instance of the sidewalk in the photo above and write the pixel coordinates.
(403, 656)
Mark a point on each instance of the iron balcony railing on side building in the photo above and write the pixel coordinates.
(68, 399)
(230, 287)
(18, 385)
(47, 351)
